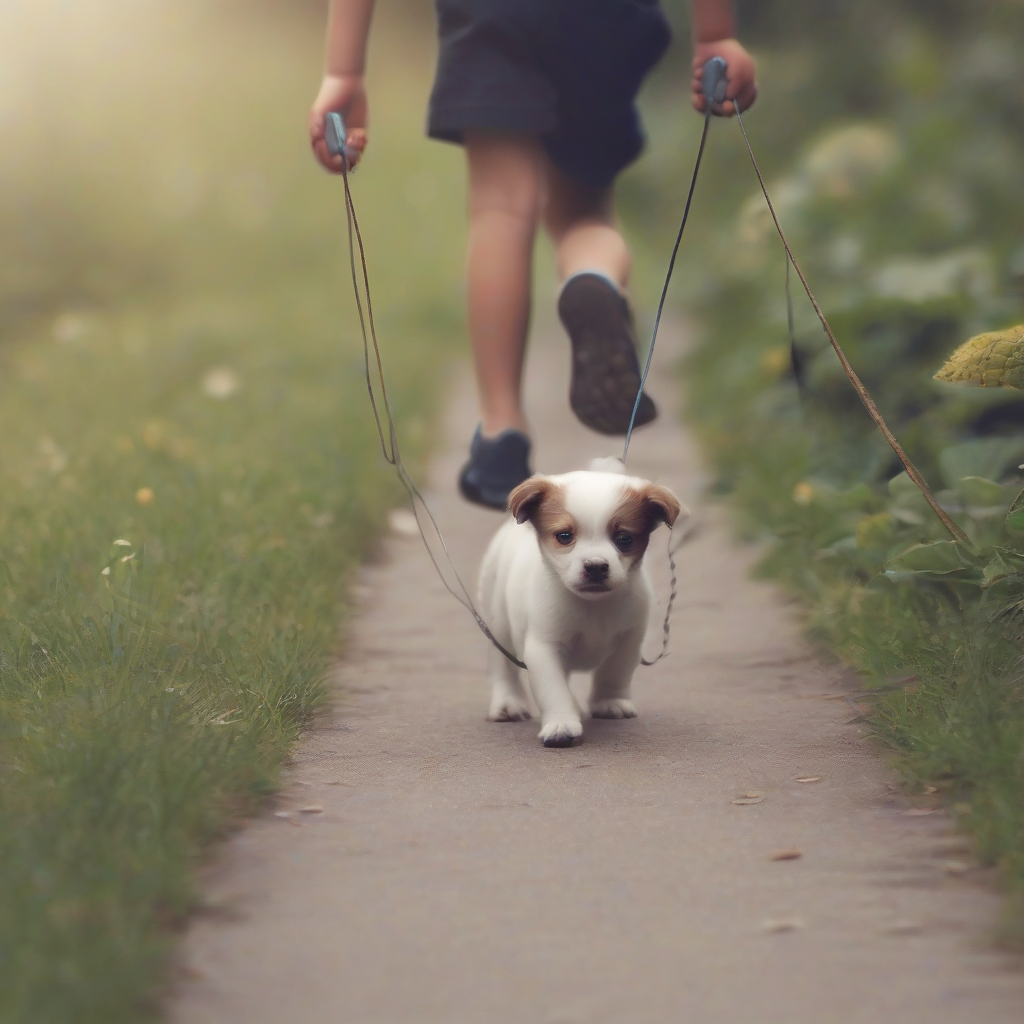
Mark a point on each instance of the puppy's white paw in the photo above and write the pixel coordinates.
(508, 709)
(561, 733)
(614, 708)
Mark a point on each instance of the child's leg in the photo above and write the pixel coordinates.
(594, 264)
(505, 175)
(581, 221)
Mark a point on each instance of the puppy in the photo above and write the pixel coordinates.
(563, 586)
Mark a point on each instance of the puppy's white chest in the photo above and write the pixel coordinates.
(588, 646)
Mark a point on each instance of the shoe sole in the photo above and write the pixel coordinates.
(473, 494)
(605, 368)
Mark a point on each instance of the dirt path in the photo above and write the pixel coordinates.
(462, 874)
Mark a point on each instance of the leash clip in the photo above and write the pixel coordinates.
(714, 83)
(336, 137)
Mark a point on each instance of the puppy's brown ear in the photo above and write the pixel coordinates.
(525, 499)
(661, 505)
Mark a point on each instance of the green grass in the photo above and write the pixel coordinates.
(159, 658)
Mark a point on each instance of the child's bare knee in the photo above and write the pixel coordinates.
(504, 174)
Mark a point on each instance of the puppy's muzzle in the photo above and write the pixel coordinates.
(597, 571)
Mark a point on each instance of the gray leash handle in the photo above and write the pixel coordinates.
(336, 136)
(715, 83)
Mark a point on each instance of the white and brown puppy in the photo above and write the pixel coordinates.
(564, 587)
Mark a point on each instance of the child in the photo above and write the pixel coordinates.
(541, 94)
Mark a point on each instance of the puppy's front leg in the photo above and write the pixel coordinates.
(508, 696)
(613, 679)
(549, 680)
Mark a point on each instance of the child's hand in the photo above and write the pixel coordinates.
(741, 74)
(346, 95)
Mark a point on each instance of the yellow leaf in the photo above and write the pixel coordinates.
(791, 854)
(803, 493)
(775, 361)
(995, 359)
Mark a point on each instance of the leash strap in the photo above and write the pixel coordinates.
(796, 361)
(389, 446)
(335, 138)
(666, 624)
(668, 278)
(858, 385)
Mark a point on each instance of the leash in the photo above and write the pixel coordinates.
(335, 136)
(858, 385)
(335, 139)
(714, 86)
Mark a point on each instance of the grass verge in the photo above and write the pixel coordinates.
(937, 630)
(189, 467)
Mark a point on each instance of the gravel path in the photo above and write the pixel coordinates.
(459, 873)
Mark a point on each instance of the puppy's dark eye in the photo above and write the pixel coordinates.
(564, 536)
(622, 540)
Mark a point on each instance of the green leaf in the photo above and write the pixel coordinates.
(996, 570)
(976, 490)
(987, 457)
(1015, 515)
(940, 556)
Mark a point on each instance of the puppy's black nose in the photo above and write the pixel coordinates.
(597, 572)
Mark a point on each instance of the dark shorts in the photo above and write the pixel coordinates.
(567, 71)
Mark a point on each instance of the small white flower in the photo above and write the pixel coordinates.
(71, 327)
(105, 572)
(52, 457)
(220, 382)
(128, 558)
(122, 543)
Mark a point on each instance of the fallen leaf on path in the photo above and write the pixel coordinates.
(920, 812)
(311, 809)
(282, 814)
(930, 789)
(773, 925)
(744, 800)
(956, 867)
(809, 778)
(791, 854)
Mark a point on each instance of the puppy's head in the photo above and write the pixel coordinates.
(593, 527)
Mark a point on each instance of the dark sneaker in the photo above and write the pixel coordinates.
(605, 368)
(496, 465)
